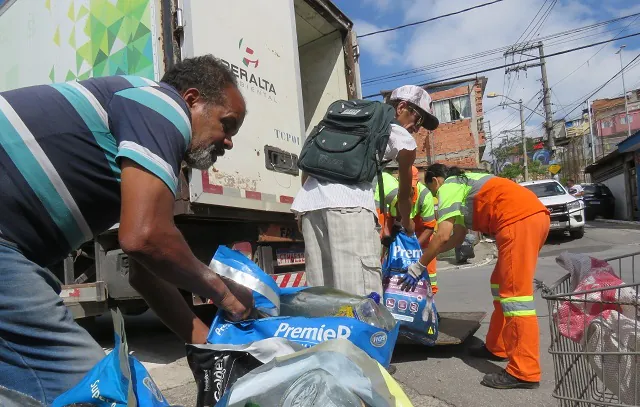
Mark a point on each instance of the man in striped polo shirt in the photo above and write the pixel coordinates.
(76, 158)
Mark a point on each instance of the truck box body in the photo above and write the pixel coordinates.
(291, 58)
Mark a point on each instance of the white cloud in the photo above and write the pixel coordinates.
(500, 25)
(380, 48)
(382, 5)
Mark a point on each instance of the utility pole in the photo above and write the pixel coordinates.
(493, 157)
(593, 144)
(546, 92)
(624, 94)
(547, 100)
(524, 142)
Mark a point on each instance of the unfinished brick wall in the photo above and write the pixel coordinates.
(453, 143)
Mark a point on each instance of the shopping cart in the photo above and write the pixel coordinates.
(599, 366)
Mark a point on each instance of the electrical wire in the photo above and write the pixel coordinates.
(598, 89)
(527, 39)
(430, 19)
(524, 61)
(500, 50)
(507, 76)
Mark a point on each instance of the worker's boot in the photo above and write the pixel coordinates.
(504, 380)
(483, 353)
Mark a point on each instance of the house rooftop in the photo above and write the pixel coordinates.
(440, 86)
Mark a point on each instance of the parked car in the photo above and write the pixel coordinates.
(567, 212)
(598, 201)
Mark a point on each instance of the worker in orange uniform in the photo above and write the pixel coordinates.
(520, 224)
(423, 215)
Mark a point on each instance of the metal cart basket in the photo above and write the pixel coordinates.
(600, 364)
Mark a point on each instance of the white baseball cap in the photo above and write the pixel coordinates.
(421, 99)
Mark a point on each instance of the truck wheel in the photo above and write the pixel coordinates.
(577, 233)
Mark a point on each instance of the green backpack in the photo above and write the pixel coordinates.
(348, 144)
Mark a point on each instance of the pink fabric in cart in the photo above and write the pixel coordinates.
(572, 317)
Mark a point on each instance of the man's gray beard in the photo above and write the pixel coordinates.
(202, 158)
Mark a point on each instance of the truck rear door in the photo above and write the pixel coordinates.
(257, 40)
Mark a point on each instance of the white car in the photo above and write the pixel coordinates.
(567, 212)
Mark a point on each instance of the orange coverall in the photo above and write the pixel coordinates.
(520, 224)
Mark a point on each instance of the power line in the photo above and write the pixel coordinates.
(517, 63)
(430, 19)
(594, 55)
(584, 99)
(500, 50)
(507, 76)
(528, 38)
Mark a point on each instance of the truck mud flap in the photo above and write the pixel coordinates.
(455, 327)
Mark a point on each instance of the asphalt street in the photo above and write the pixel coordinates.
(439, 376)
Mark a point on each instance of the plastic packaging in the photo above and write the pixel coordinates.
(315, 302)
(335, 373)
(318, 322)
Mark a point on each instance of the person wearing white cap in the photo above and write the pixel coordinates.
(339, 221)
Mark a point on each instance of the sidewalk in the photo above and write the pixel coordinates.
(617, 222)
(485, 252)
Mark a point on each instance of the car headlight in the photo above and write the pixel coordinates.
(571, 206)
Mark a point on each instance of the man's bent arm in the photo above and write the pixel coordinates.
(148, 234)
(405, 160)
(168, 303)
(425, 236)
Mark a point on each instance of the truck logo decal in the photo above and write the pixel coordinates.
(248, 80)
(246, 61)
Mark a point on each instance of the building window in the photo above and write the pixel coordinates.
(606, 124)
(623, 120)
(453, 109)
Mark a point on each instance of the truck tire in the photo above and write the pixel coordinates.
(577, 233)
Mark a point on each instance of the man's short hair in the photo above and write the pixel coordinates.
(206, 73)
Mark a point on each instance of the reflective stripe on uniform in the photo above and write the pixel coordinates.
(495, 291)
(475, 182)
(518, 306)
(454, 207)
(428, 218)
(433, 278)
(388, 199)
(421, 197)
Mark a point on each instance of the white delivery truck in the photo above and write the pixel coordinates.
(291, 59)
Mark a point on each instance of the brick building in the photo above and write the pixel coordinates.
(460, 138)
(610, 123)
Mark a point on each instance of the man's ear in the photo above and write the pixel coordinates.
(192, 96)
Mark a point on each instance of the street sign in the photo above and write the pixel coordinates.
(554, 169)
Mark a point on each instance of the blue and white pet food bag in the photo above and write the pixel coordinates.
(376, 342)
(415, 311)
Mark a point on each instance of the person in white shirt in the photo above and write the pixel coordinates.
(575, 189)
(339, 221)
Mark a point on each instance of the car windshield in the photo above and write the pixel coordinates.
(546, 189)
(591, 189)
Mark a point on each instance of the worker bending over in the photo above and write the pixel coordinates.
(423, 216)
(520, 224)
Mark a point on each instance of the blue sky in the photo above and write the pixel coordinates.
(493, 27)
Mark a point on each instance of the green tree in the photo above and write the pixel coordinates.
(537, 170)
(512, 171)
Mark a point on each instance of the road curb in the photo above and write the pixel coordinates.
(618, 222)
(484, 262)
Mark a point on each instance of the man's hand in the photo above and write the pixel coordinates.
(240, 302)
(414, 273)
(147, 234)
